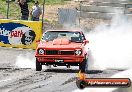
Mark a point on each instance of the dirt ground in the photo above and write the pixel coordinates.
(51, 11)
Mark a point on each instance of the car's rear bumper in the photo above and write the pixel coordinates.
(60, 59)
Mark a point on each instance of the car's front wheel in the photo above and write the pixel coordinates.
(38, 66)
(83, 66)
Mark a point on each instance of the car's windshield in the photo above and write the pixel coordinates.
(72, 36)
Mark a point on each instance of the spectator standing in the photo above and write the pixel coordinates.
(24, 9)
(36, 12)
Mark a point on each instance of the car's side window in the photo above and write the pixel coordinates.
(83, 37)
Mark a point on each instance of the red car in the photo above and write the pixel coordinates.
(62, 48)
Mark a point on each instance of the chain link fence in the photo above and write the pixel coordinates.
(9, 9)
(68, 17)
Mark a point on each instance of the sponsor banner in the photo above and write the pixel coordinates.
(20, 34)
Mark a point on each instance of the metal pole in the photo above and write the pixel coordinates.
(43, 15)
(80, 13)
(7, 8)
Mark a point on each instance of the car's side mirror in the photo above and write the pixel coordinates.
(85, 41)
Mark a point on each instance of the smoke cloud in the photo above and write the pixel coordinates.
(111, 45)
(25, 61)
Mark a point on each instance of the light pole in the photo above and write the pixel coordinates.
(8, 2)
(80, 5)
(43, 15)
(80, 13)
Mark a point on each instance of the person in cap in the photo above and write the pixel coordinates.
(36, 11)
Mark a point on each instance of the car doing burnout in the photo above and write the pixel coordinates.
(62, 48)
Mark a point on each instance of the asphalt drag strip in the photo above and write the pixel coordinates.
(16, 79)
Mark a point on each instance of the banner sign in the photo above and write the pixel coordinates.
(18, 33)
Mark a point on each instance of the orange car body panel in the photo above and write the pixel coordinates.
(61, 45)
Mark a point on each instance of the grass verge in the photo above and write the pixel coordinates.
(14, 9)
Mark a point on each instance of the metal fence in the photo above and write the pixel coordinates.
(9, 9)
(68, 17)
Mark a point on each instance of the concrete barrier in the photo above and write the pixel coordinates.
(112, 1)
(103, 9)
(97, 15)
(106, 4)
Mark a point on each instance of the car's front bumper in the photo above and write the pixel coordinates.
(59, 59)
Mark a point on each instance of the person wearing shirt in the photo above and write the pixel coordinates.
(36, 12)
(24, 9)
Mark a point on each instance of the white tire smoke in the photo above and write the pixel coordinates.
(111, 45)
(25, 61)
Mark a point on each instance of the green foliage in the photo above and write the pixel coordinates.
(54, 1)
(2, 8)
(14, 9)
(46, 1)
(49, 1)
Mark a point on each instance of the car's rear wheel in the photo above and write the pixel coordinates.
(83, 66)
(38, 66)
